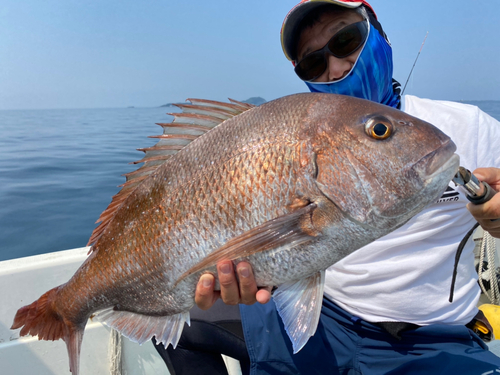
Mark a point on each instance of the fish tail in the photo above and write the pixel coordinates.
(41, 318)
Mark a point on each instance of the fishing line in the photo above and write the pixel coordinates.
(411, 71)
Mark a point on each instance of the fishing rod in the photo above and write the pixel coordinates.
(411, 71)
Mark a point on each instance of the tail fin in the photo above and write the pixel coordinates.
(41, 318)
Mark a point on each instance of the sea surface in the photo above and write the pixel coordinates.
(59, 169)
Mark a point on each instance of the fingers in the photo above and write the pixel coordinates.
(229, 289)
(487, 214)
(234, 292)
(488, 210)
(248, 286)
(490, 175)
(263, 296)
(236, 286)
(205, 295)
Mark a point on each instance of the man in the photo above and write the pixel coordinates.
(386, 308)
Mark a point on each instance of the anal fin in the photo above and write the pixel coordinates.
(299, 306)
(141, 328)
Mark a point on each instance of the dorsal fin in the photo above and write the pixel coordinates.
(195, 120)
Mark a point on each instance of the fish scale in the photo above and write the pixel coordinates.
(291, 187)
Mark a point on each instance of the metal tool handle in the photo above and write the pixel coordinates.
(489, 192)
(477, 192)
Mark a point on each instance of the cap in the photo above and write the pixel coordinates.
(299, 11)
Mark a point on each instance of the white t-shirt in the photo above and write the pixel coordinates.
(406, 275)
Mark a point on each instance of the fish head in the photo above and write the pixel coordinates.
(377, 164)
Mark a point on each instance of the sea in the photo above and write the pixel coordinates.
(59, 169)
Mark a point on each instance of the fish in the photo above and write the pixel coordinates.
(291, 186)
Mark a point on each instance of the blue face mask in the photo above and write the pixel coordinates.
(371, 76)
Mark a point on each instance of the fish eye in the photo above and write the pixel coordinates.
(378, 128)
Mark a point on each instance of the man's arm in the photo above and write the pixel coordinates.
(231, 292)
(486, 212)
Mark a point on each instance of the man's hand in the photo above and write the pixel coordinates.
(231, 291)
(486, 212)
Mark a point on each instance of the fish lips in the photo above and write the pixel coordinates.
(437, 162)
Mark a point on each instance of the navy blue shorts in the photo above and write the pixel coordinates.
(344, 344)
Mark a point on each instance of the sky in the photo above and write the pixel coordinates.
(112, 54)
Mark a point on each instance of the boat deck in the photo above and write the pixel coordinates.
(22, 281)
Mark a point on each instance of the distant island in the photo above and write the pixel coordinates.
(255, 100)
(172, 104)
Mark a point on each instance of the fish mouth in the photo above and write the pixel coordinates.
(437, 162)
(452, 164)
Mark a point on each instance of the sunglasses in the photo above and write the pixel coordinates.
(342, 44)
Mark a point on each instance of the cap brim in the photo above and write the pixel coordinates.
(297, 13)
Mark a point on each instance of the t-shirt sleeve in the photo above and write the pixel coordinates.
(488, 147)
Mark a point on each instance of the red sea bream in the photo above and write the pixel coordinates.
(291, 186)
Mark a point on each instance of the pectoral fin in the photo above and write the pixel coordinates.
(291, 229)
(299, 305)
